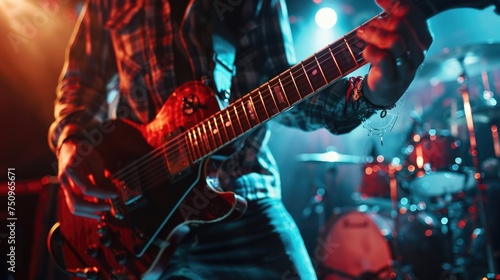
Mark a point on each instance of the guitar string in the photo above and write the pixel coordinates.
(156, 173)
(267, 95)
(238, 107)
(172, 146)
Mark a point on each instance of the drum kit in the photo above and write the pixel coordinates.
(422, 215)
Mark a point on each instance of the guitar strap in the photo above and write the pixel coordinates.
(223, 56)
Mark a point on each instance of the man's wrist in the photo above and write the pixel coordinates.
(369, 98)
(71, 132)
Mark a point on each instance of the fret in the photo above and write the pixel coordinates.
(307, 77)
(269, 100)
(219, 132)
(230, 122)
(260, 107)
(321, 70)
(252, 113)
(328, 65)
(214, 132)
(245, 125)
(196, 146)
(263, 104)
(189, 147)
(294, 84)
(291, 96)
(300, 78)
(279, 88)
(278, 95)
(344, 57)
(225, 125)
(206, 139)
(287, 85)
(350, 50)
(240, 127)
(336, 62)
(314, 74)
(208, 136)
(202, 143)
(357, 46)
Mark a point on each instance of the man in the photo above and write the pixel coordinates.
(155, 46)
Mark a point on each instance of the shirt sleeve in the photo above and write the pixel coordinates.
(326, 109)
(81, 92)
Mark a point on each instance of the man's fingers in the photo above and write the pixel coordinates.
(383, 39)
(388, 23)
(77, 203)
(393, 7)
(377, 57)
(412, 19)
(89, 209)
(381, 61)
(81, 177)
(416, 48)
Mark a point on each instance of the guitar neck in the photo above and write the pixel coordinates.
(263, 103)
(292, 86)
(275, 96)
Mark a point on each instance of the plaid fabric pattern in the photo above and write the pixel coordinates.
(135, 40)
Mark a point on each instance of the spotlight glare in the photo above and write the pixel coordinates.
(326, 18)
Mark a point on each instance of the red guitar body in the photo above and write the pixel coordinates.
(158, 199)
(159, 169)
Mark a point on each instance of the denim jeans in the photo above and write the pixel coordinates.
(263, 244)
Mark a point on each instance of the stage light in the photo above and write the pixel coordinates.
(326, 18)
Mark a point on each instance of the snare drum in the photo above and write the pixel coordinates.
(357, 245)
(435, 166)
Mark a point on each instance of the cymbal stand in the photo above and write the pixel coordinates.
(488, 96)
(464, 91)
(396, 258)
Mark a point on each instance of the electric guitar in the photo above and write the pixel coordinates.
(159, 171)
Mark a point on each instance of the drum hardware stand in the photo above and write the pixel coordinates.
(316, 204)
(396, 256)
(493, 121)
(452, 271)
(462, 80)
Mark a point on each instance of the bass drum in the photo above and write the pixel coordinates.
(357, 245)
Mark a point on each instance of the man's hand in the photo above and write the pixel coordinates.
(83, 182)
(396, 47)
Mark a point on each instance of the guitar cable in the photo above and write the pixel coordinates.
(55, 235)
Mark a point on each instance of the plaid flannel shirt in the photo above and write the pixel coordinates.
(133, 40)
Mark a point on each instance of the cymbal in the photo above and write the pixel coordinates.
(333, 157)
(384, 203)
(447, 65)
(483, 114)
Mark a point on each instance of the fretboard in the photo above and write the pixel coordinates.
(270, 99)
(275, 96)
(293, 85)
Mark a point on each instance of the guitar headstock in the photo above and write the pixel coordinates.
(433, 7)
